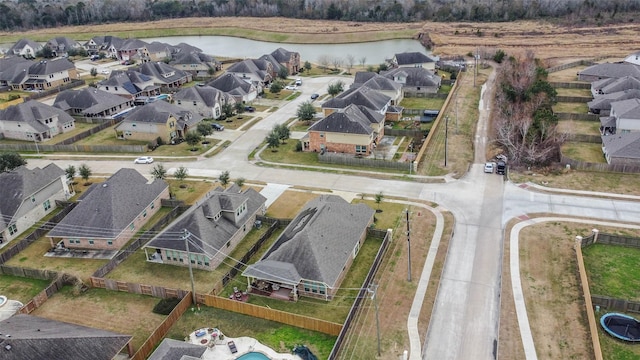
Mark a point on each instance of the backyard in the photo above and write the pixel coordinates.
(21, 289)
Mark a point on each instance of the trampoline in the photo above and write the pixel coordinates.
(621, 326)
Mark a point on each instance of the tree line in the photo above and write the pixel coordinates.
(30, 14)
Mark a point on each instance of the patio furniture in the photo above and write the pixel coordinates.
(232, 347)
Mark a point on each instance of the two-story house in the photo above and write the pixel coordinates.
(34, 121)
(233, 85)
(14, 71)
(130, 84)
(159, 51)
(61, 45)
(197, 63)
(214, 228)
(107, 45)
(108, 214)
(91, 102)
(27, 196)
(204, 100)
(413, 59)
(253, 71)
(379, 83)
(157, 119)
(363, 96)
(48, 74)
(25, 47)
(133, 49)
(281, 57)
(415, 81)
(164, 75)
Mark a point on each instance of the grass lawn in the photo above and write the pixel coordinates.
(116, 311)
(566, 75)
(422, 103)
(579, 127)
(282, 95)
(237, 121)
(300, 125)
(79, 127)
(575, 108)
(194, 190)
(612, 271)
(21, 289)
(573, 92)
(582, 151)
(108, 137)
(289, 204)
(279, 337)
(614, 349)
(618, 183)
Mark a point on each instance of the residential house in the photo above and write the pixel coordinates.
(233, 85)
(355, 129)
(49, 74)
(130, 84)
(622, 148)
(633, 58)
(253, 71)
(613, 85)
(170, 349)
(159, 51)
(415, 81)
(215, 226)
(413, 59)
(602, 104)
(91, 102)
(204, 100)
(61, 45)
(623, 118)
(27, 196)
(14, 71)
(133, 49)
(609, 70)
(30, 337)
(157, 120)
(364, 96)
(25, 48)
(108, 214)
(281, 57)
(107, 45)
(196, 63)
(314, 252)
(185, 49)
(164, 75)
(380, 84)
(34, 121)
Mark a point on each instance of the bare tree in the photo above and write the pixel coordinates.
(324, 61)
(337, 62)
(363, 61)
(350, 60)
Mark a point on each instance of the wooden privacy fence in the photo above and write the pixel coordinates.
(614, 304)
(576, 116)
(593, 139)
(133, 288)
(574, 99)
(38, 95)
(601, 167)
(586, 293)
(571, 85)
(161, 331)
(32, 147)
(105, 124)
(351, 160)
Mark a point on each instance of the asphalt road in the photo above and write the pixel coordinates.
(465, 319)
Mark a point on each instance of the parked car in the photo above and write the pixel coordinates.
(217, 127)
(290, 87)
(104, 71)
(249, 108)
(501, 167)
(314, 96)
(488, 168)
(298, 82)
(143, 160)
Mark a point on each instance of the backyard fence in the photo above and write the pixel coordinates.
(600, 167)
(33, 147)
(57, 89)
(574, 99)
(351, 160)
(587, 62)
(424, 94)
(134, 288)
(570, 85)
(594, 139)
(89, 132)
(613, 304)
(404, 132)
(576, 116)
(588, 299)
(611, 239)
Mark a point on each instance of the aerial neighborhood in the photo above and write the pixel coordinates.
(307, 257)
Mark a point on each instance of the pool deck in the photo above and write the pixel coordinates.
(219, 350)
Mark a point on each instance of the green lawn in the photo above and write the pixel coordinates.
(21, 289)
(573, 92)
(614, 349)
(422, 103)
(575, 108)
(579, 127)
(613, 271)
(590, 152)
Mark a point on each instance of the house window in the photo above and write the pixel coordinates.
(13, 229)
(107, 88)
(361, 149)
(321, 135)
(91, 242)
(131, 226)
(33, 199)
(195, 103)
(144, 214)
(179, 102)
(206, 261)
(110, 242)
(228, 243)
(357, 248)
(46, 205)
(153, 205)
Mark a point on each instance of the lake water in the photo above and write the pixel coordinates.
(226, 46)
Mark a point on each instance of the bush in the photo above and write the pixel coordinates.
(159, 141)
(299, 146)
(165, 306)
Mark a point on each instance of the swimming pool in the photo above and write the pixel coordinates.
(253, 356)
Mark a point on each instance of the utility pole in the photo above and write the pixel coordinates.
(185, 236)
(446, 135)
(475, 67)
(373, 288)
(408, 246)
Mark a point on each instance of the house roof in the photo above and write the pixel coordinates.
(34, 113)
(208, 95)
(90, 100)
(104, 42)
(20, 44)
(132, 44)
(47, 67)
(353, 119)
(608, 121)
(414, 76)
(184, 47)
(210, 229)
(628, 109)
(162, 73)
(603, 102)
(132, 81)
(33, 337)
(20, 184)
(158, 112)
(259, 67)
(364, 96)
(408, 58)
(611, 85)
(63, 43)
(317, 243)
(282, 55)
(108, 208)
(622, 145)
(15, 69)
(170, 349)
(612, 70)
(232, 84)
(376, 82)
(189, 58)
(156, 46)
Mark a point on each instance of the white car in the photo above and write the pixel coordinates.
(143, 160)
(488, 168)
(290, 87)
(105, 71)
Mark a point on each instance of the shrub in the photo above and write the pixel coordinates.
(165, 306)
(299, 146)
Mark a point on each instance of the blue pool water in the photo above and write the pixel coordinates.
(253, 356)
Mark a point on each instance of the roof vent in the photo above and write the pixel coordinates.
(105, 185)
(7, 347)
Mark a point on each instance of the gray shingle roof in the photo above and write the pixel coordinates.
(408, 58)
(63, 43)
(104, 42)
(19, 184)
(318, 242)
(414, 76)
(108, 208)
(162, 73)
(231, 83)
(351, 120)
(628, 109)
(377, 82)
(39, 338)
(259, 67)
(364, 96)
(611, 85)
(200, 221)
(622, 145)
(20, 44)
(282, 55)
(34, 113)
(132, 44)
(159, 112)
(14, 69)
(91, 100)
(130, 80)
(189, 58)
(612, 70)
(205, 94)
(46, 67)
(170, 349)
(603, 102)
